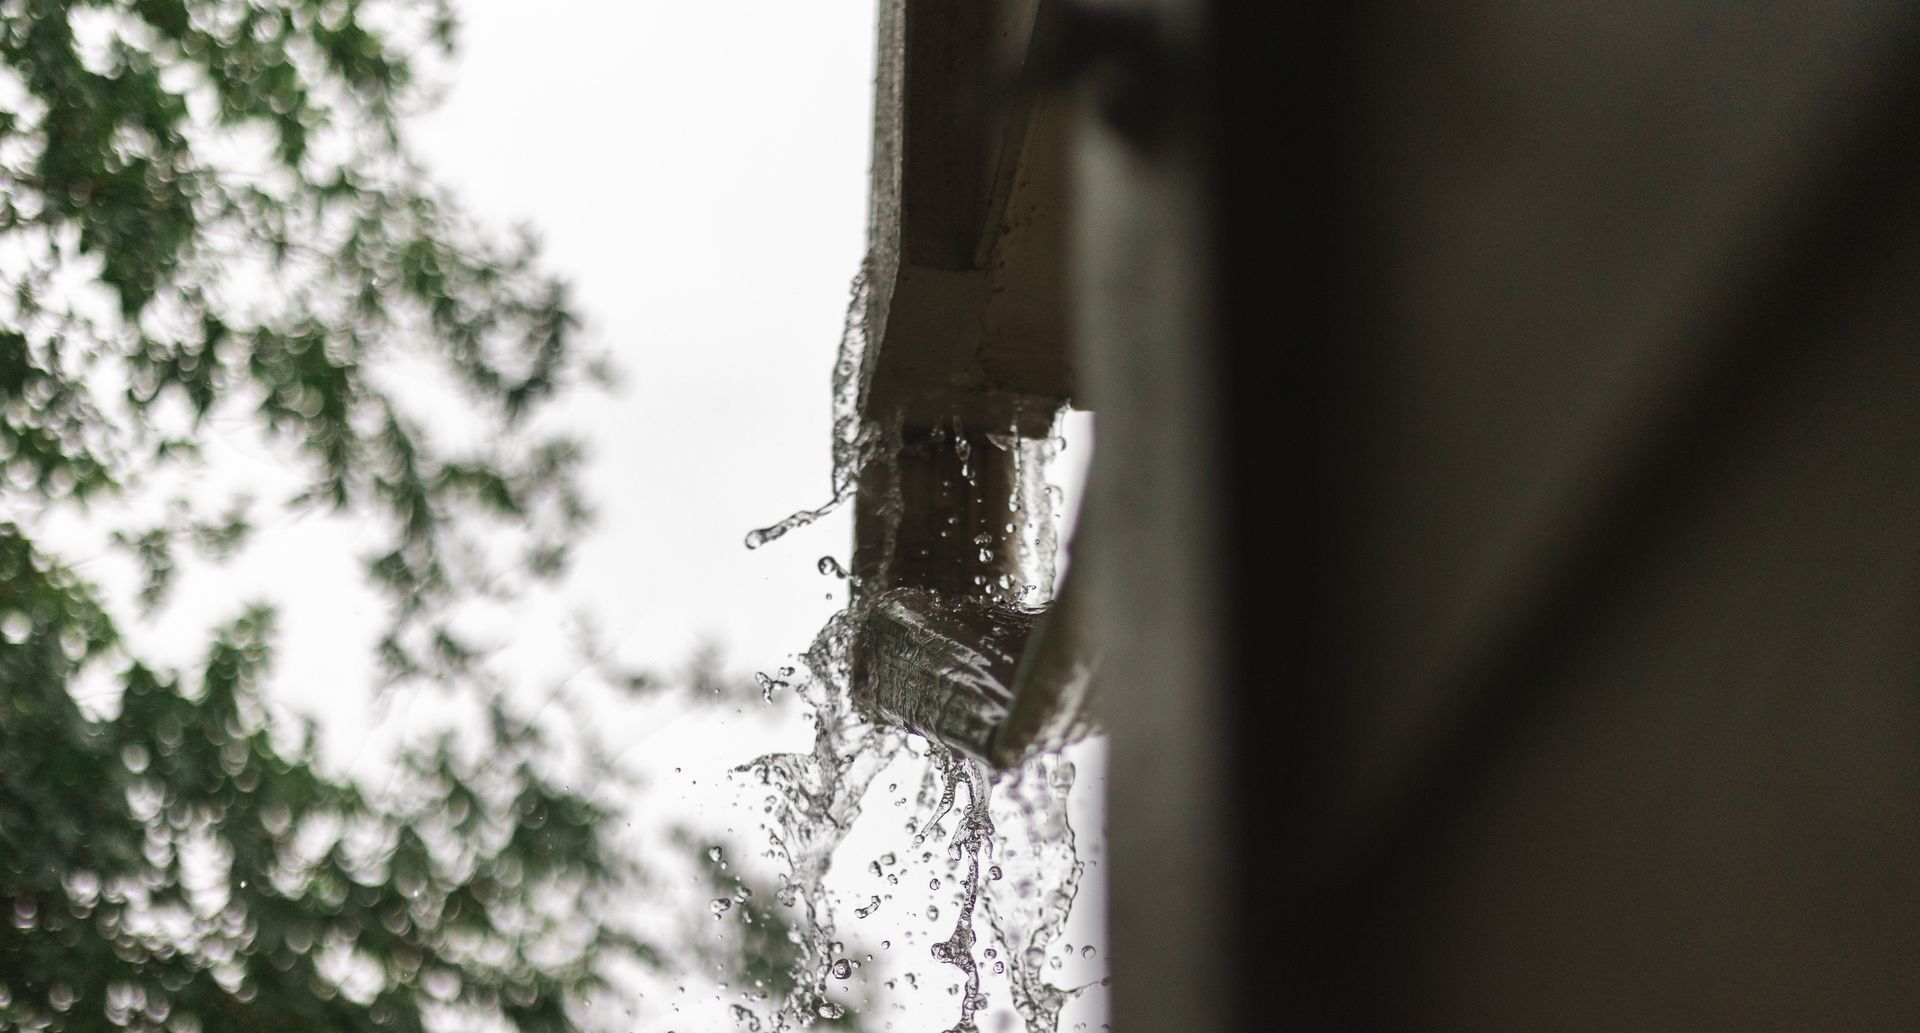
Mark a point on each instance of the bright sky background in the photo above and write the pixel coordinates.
(699, 172)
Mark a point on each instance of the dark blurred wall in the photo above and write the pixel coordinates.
(1508, 508)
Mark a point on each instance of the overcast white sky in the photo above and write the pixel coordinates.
(699, 172)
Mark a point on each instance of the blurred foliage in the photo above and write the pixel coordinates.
(209, 216)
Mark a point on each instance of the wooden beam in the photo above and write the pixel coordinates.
(967, 350)
(966, 313)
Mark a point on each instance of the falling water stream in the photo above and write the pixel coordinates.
(1003, 850)
(852, 446)
(1004, 861)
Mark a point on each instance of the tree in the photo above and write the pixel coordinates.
(208, 212)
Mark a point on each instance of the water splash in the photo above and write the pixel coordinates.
(1035, 508)
(815, 798)
(1028, 902)
(761, 536)
(973, 838)
(1009, 853)
(770, 684)
(1008, 843)
(1017, 821)
(853, 444)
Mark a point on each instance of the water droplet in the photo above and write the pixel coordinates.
(999, 967)
(933, 912)
(830, 1010)
(719, 905)
(994, 873)
(842, 969)
(872, 906)
(1034, 957)
(768, 685)
(933, 884)
(887, 859)
(1086, 952)
(762, 536)
(713, 854)
(831, 567)
(886, 945)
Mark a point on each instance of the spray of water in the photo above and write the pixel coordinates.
(1031, 893)
(852, 447)
(1004, 844)
(814, 798)
(1009, 852)
(972, 838)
